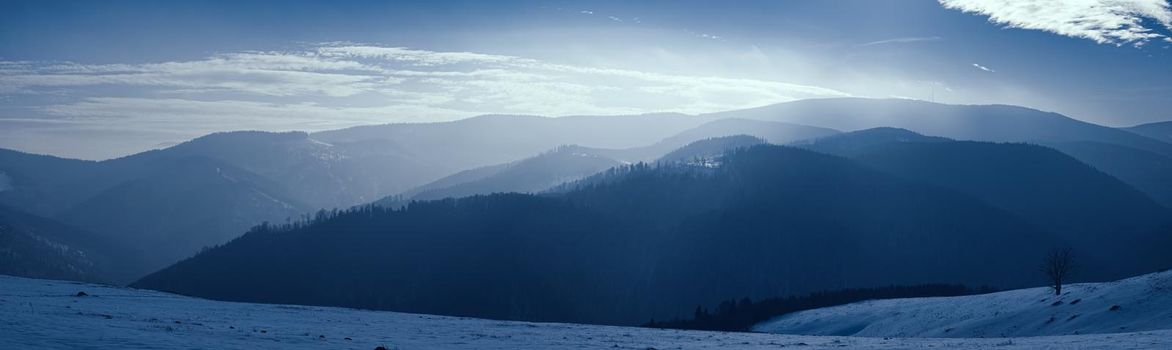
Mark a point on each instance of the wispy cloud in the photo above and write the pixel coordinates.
(978, 66)
(904, 40)
(1115, 22)
(338, 85)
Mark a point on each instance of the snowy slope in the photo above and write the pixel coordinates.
(1143, 303)
(43, 314)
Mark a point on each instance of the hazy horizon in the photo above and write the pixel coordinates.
(177, 142)
(560, 174)
(97, 81)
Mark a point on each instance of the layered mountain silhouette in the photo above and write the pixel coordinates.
(181, 206)
(654, 241)
(997, 123)
(863, 141)
(498, 139)
(709, 149)
(1046, 187)
(1160, 131)
(769, 131)
(568, 163)
(38, 247)
(1041, 185)
(1139, 155)
(1147, 171)
(530, 175)
(561, 165)
(167, 204)
(45, 184)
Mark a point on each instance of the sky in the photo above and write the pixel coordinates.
(103, 79)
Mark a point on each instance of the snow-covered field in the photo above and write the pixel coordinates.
(1140, 303)
(42, 314)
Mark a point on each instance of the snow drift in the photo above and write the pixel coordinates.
(1135, 304)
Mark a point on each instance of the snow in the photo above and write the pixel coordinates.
(43, 314)
(1144, 303)
(707, 162)
(272, 199)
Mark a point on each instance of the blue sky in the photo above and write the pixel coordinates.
(97, 80)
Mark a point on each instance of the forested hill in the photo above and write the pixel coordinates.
(650, 242)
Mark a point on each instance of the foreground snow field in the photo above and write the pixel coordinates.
(1140, 303)
(43, 314)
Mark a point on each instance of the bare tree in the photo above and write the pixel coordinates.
(1058, 266)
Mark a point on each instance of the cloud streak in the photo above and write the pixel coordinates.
(1116, 22)
(339, 85)
(978, 66)
(905, 40)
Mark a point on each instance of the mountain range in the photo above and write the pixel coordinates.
(38, 247)
(1160, 131)
(651, 241)
(164, 205)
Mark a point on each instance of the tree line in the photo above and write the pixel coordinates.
(740, 315)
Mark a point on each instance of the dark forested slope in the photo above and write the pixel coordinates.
(650, 242)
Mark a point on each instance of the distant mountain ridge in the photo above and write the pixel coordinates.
(1046, 187)
(854, 143)
(1160, 131)
(530, 175)
(1139, 160)
(769, 220)
(1147, 171)
(708, 149)
(40, 247)
(1043, 186)
(280, 175)
(997, 123)
(572, 162)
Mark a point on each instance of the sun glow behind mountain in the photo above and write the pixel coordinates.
(144, 74)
